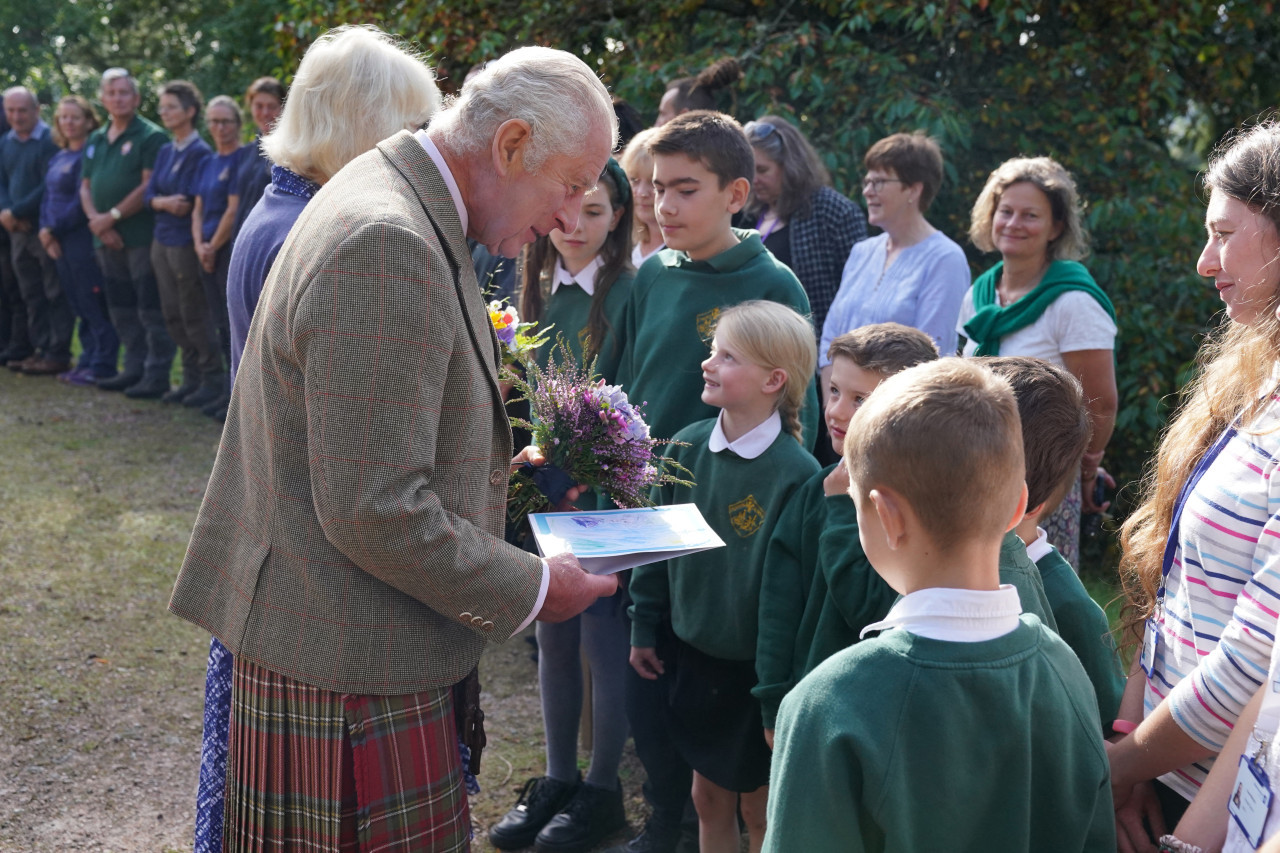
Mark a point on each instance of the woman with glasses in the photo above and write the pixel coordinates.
(912, 273)
(1040, 301)
(212, 221)
(804, 222)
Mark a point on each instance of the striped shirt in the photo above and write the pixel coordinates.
(1222, 596)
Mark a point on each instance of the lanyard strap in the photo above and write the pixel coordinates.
(1171, 544)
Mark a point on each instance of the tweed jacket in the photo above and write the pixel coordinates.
(350, 535)
(820, 242)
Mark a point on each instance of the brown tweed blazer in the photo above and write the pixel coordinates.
(350, 535)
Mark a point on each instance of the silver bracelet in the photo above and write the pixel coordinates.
(1173, 844)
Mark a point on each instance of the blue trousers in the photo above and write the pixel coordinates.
(83, 285)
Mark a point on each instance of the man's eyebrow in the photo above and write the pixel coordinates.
(677, 182)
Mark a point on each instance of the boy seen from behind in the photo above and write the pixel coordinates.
(818, 591)
(1055, 434)
(962, 726)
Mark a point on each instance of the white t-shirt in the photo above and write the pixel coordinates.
(1072, 322)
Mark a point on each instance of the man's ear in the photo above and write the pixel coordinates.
(889, 510)
(1020, 512)
(509, 144)
(739, 190)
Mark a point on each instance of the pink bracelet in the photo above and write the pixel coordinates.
(1123, 727)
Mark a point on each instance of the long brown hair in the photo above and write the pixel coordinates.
(540, 259)
(1236, 365)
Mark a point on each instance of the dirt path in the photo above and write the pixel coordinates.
(101, 691)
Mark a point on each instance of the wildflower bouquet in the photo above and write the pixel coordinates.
(519, 340)
(590, 434)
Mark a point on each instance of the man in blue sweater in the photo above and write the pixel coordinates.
(25, 152)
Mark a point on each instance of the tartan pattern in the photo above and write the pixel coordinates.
(315, 770)
(820, 244)
(350, 535)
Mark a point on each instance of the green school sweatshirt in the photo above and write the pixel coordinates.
(1083, 624)
(817, 594)
(905, 744)
(569, 311)
(1016, 568)
(713, 597)
(675, 303)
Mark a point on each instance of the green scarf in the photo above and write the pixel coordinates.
(992, 323)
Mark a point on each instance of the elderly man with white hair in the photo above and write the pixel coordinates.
(348, 551)
(25, 152)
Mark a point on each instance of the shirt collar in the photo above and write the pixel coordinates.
(436, 157)
(750, 445)
(292, 183)
(1040, 548)
(40, 131)
(638, 259)
(730, 259)
(586, 277)
(186, 142)
(954, 615)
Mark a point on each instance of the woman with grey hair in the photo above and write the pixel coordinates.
(354, 87)
(805, 223)
(1040, 301)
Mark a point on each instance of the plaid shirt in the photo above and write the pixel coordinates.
(350, 536)
(820, 244)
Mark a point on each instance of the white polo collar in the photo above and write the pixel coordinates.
(750, 445)
(1040, 548)
(586, 277)
(954, 615)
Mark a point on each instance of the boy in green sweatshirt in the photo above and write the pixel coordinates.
(963, 726)
(702, 170)
(1055, 434)
(818, 590)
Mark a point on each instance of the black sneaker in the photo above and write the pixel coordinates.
(591, 816)
(540, 800)
(119, 382)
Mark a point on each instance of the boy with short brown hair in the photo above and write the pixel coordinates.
(962, 726)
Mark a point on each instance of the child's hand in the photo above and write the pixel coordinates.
(837, 482)
(768, 737)
(646, 662)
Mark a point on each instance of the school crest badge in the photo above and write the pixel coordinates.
(125, 149)
(746, 516)
(707, 324)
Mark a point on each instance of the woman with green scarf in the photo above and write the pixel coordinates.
(1040, 301)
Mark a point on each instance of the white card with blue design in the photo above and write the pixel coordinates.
(608, 541)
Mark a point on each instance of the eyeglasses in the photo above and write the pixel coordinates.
(875, 184)
(757, 130)
(221, 121)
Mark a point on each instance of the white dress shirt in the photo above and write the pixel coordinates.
(954, 615)
(751, 444)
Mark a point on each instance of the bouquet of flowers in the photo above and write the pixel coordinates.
(590, 434)
(519, 340)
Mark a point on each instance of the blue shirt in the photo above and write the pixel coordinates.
(923, 289)
(60, 210)
(175, 173)
(256, 248)
(214, 183)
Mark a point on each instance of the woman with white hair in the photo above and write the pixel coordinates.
(355, 87)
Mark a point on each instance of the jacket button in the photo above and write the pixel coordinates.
(498, 477)
(464, 616)
(487, 626)
(477, 621)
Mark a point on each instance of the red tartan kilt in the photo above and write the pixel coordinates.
(310, 769)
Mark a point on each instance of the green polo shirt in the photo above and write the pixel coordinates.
(114, 169)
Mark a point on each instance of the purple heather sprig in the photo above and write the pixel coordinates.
(592, 432)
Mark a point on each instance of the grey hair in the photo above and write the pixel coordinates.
(117, 73)
(554, 91)
(355, 87)
(22, 90)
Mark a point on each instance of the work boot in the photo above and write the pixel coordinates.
(121, 381)
(190, 382)
(591, 816)
(44, 366)
(211, 388)
(149, 387)
(540, 800)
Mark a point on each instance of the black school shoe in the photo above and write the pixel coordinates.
(591, 816)
(540, 800)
